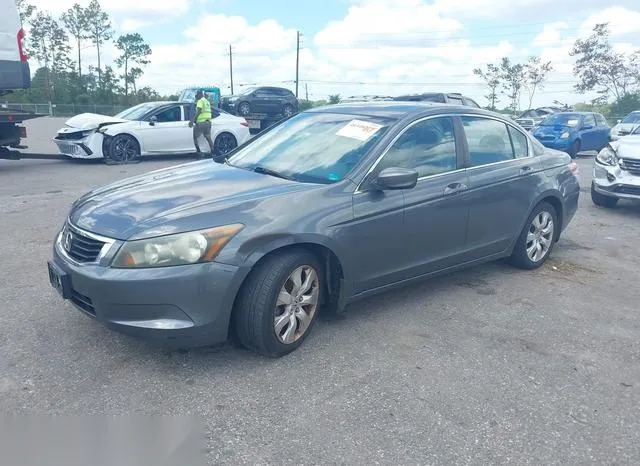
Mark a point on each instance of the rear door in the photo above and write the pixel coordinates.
(589, 133)
(503, 177)
(14, 68)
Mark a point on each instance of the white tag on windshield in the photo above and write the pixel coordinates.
(358, 129)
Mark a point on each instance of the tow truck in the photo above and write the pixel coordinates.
(12, 132)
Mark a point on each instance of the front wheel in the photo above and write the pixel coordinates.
(535, 243)
(244, 108)
(123, 148)
(601, 199)
(278, 305)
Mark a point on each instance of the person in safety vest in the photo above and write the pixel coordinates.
(201, 122)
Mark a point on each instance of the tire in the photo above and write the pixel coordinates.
(575, 149)
(122, 149)
(244, 109)
(602, 200)
(520, 257)
(287, 110)
(224, 143)
(257, 306)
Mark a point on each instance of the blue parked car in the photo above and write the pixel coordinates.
(573, 132)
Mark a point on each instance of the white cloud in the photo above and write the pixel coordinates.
(621, 21)
(550, 34)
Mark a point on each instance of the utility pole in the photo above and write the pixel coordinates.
(297, 60)
(231, 67)
(306, 91)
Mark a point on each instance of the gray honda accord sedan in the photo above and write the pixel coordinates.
(328, 206)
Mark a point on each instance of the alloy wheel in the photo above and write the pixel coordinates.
(297, 304)
(540, 236)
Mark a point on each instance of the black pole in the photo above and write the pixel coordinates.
(297, 60)
(231, 67)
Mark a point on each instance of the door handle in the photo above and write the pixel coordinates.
(454, 188)
(526, 169)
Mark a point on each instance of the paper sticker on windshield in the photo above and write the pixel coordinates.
(358, 129)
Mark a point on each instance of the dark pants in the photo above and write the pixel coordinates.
(202, 129)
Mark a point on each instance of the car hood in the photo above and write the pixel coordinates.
(187, 197)
(627, 147)
(555, 130)
(624, 127)
(86, 121)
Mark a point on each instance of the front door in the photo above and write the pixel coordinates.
(168, 133)
(502, 175)
(430, 235)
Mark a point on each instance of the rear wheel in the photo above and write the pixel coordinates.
(123, 148)
(287, 110)
(601, 199)
(224, 143)
(278, 305)
(535, 243)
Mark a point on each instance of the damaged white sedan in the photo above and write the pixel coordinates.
(153, 128)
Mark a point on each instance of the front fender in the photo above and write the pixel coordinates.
(115, 130)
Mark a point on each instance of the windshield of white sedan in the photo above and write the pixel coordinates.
(565, 119)
(632, 118)
(135, 113)
(313, 147)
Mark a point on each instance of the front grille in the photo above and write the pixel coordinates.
(632, 166)
(629, 190)
(70, 136)
(83, 302)
(80, 247)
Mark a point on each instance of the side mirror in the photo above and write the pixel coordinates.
(396, 178)
(153, 120)
(619, 121)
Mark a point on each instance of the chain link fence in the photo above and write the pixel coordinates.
(65, 110)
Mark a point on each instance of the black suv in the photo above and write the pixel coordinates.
(453, 98)
(261, 100)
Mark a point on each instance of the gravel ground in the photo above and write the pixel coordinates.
(491, 365)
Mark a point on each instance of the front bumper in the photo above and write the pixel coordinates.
(184, 306)
(616, 182)
(89, 147)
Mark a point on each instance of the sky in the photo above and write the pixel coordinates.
(357, 47)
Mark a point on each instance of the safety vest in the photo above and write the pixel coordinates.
(205, 110)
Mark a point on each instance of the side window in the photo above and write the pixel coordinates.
(428, 147)
(601, 120)
(169, 115)
(519, 142)
(488, 141)
(188, 111)
(589, 120)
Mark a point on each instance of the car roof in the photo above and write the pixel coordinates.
(397, 109)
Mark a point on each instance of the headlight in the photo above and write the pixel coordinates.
(179, 249)
(565, 135)
(607, 156)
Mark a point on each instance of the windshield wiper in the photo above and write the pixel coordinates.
(268, 171)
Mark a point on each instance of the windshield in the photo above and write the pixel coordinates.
(563, 119)
(632, 118)
(313, 147)
(137, 112)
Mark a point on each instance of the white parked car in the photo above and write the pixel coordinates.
(626, 125)
(616, 174)
(153, 128)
